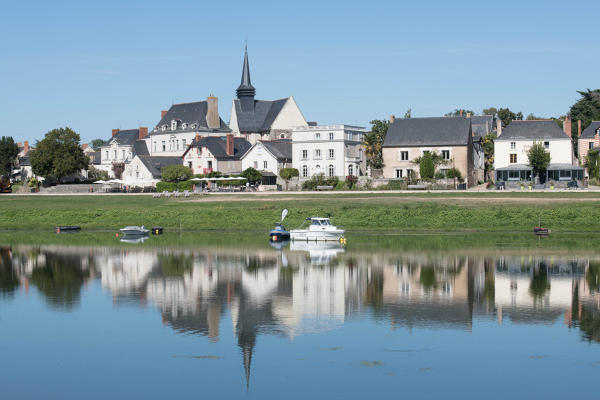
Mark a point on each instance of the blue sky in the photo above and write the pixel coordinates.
(95, 66)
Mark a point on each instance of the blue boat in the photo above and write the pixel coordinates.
(279, 233)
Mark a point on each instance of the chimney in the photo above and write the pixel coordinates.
(114, 132)
(498, 126)
(84, 146)
(578, 128)
(567, 125)
(229, 148)
(461, 113)
(143, 132)
(212, 112)
(163, 113)
(468, 115)
(392, 118)
(25, 147)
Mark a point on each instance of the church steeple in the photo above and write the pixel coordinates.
(246, 90)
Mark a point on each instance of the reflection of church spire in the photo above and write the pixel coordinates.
(247, 342)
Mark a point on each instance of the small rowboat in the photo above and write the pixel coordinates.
(67, 229)
(538, 230)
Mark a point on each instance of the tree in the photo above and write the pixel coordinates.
(287, 174)
(507, 116)
(586, 109)
(251, 174)
(96, 144)
(426, 166)
(373, 141)
(95, 174)
(458, 112)
(490, 111)
(532, 117)
(8, 153)
(176, 173)
(488, 152)
(58, 154)
(408, 113)
(592, 163)
(117, 169)
(539, 159)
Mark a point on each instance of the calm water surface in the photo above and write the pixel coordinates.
(414, 320)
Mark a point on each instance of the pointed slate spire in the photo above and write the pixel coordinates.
(246, 89)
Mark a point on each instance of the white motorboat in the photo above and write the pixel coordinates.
(319, 229)
(134, 231)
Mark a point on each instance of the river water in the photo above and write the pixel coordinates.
(414, 316)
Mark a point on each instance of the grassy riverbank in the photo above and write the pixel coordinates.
(511, 212)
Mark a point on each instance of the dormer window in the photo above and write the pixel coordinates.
(163, 128)
(173, 125)
(184, 126)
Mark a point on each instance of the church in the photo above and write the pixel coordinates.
(262, 119)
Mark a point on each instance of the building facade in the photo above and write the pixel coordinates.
(179, 126)
(209, 154)
(332, 150)
(121, 148)
(269, 156)
(409, 138)
(588, 140)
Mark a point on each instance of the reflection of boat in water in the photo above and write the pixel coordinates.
(134, 230)
(320, 229)
(279, 245)
(320, 252)
(134, 239)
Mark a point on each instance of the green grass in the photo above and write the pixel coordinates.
(564, 212)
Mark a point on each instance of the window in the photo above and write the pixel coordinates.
(305, 154)
(331, 170)
(331, 153)
(317, 136)
(164, 146)
(183, 143)
(513, 158)
(330, 135)
(304, 170)
(398, 173)
(106, 155)
(350, 169)
(445, 154)
(317, 168)
(173, 125)
(255, 164)
(591, 145)
(565, 174)
(183, 126)
(317, 154)
(513, 145)
(209, 164)
(360, 154)
(265, 165)
(514, 175)
(546, 145)
(123, 154)
(403, 155)
(115, 153)
(177, 141)
(154, 144)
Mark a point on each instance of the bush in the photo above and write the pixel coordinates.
(176, 173)
(351, 181)
(252, 175)
(33, 183)
(166, 186)
(426, 166)
(340, 185)
(490, 184)
(454, 173)
(399, 184)
(439, 175)
(185, 185)
(214, 174)
(149, 189)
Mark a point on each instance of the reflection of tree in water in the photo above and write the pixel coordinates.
(489, 286)
(427, 278)
(9, 281)
(540, 284)
(374, 292)
(592, 276)
(585, 318)
(60, 279)
(175, 264)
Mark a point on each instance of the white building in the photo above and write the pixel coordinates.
(209, 154)
(511, 161)
(262, 119)
(269, 156)
(121, 148)
(332, 150)
(145, 170)
(179, 126)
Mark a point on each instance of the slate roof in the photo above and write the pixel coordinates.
(281, 149)
(156, 164)
(24, 161)
(481, 125)
(140, 148)
(590, 131)
(437, 131)
(190, 114)
(218, 147)
(532, 130)
(125, 137)
(261, 117)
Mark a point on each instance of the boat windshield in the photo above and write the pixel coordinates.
(318, 222)
(315, 222)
